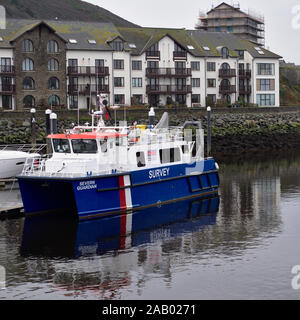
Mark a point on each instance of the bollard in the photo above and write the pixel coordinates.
(33, 126)
(208, 132)
(151, 115)
(47, 114)
(53, 123)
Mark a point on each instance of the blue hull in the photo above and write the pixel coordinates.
(99, 196)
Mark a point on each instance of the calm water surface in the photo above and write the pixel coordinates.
(242, 245)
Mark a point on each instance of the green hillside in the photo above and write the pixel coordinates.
(61, 9)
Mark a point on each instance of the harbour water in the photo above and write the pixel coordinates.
(242, 245)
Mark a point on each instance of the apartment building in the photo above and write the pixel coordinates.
(230, 18)
(67, 64)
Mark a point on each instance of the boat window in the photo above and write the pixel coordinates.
(84, 146)
(103, 145)
(169, 155)
(140, 159)
(61, 145)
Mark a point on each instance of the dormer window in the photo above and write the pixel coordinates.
(117, 45)
(225, 53)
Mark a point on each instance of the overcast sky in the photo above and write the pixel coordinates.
(282, 18)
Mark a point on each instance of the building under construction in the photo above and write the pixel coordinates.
(230, 18)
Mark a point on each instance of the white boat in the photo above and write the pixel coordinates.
(13, 158)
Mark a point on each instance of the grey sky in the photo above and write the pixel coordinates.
(281, 37)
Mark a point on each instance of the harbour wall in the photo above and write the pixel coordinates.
(234, 131)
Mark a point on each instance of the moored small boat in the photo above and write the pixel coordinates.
(98, 171)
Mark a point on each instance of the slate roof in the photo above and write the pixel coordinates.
(142, 38)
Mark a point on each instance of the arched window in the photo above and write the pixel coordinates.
(53, 83)
(53, 65)
(28, 83)
(225, 53)
(27, 65)
(27, 45)
(54, 100)
(225, 66)
(52, 46)
(29, 102)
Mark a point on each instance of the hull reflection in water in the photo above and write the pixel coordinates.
(68, 237)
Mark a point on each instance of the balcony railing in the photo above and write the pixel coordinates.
(152, 54)
(7, 88)
(179, 55)
(168, 72)
(99, 71)
(7, 69)
(227, 89)
(88, 89)
(245, 89)
(245, 73)
(168, 89)
(227, 73)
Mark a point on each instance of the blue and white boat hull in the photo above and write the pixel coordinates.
(98, 196)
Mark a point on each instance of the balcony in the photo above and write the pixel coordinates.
(227, 89)
(168, 89)
(153, 55)
(7, 88)
(168, 72)
(227, 73)
(245, 89)
(245, 74)
(87, 89)
(179, 55)
(7, 70)
(86, 71)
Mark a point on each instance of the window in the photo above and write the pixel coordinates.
(53, 83)
(28, 83)
(119, 82)
(218, 28)
(241, 54)
(54, 100)
(180, 98)
(119, 99)
(28, 102)
(6, 102)
(211, 66)
(225, 53)
(92, 41)
(119, 64)
(211, 98)
(265, 84)
(53, 65)
(72, 62)
(211, 83)
(195, 82)
(61, 145)
(52, 46)
(195, 65)
(180, 65)
(137, 99)
(137, 65)
(117, 45)
(5, 65)
(137, 82)
(73, 101)
(73, 41)
(84, 146)
(154, 48)
(195, 98)
(152, 64)
(266, 69)
(99, 63)
(140, 159)
(169, 155)
(229, 28)
(27, 65)
(265, 99)
(178, 48)
(132, 46)
(27, 45)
